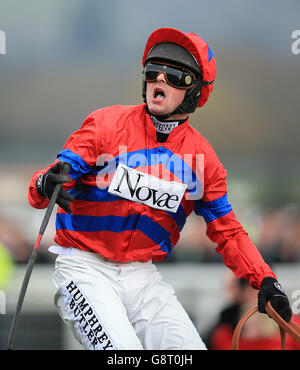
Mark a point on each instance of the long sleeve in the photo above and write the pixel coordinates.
(81, 151)
(82, 147)
(233, 243)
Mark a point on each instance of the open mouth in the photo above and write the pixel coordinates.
(159, 93)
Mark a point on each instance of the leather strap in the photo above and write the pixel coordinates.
(290, 327)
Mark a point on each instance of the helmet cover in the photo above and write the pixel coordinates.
(191, 42)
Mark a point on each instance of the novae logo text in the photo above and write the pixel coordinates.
(2, 42)
(160, 162)
(140, 187)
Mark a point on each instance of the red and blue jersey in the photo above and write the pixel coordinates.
(124, 230)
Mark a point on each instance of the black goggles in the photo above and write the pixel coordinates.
(176, 77)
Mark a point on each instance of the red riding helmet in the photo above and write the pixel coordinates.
(200, 59)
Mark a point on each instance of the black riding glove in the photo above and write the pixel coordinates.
(272, 291)
(46, 183)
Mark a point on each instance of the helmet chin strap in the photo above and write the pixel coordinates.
(162, 117)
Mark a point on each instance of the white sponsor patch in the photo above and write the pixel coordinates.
(140, 187)
(86, 320)
(164, 127)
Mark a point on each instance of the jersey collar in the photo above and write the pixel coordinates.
(176, 133)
